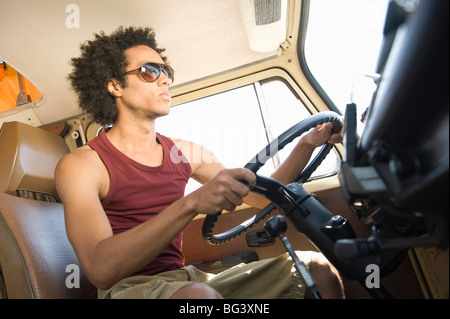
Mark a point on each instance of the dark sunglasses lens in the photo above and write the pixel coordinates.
(150, 72)
(167, 70)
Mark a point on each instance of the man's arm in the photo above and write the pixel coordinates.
(206, 166)
(296, 162)
(106, 258)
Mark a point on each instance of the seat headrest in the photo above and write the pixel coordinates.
(28, 158)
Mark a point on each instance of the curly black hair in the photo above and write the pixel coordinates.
(101, 60)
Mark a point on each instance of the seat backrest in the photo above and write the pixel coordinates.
(36, 258)
(28, 158)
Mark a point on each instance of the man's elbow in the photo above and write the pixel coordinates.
(100, 280)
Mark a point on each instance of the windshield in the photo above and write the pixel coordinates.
(341, 48)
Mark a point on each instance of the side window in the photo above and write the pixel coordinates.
(238, 123)
(285, 109)
(341, 50)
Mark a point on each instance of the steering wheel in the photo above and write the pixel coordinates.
(269, 187)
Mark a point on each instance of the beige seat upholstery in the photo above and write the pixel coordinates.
(36, 258)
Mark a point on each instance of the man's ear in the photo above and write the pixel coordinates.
(114, 88)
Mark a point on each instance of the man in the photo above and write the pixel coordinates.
(123, 196)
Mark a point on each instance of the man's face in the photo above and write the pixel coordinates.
(142, 98)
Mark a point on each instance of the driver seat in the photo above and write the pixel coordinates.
(36, 258)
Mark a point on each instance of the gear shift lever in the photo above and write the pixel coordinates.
(276, 226)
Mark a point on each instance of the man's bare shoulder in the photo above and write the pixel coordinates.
(82, 159)
(82, 171)
(80, 155)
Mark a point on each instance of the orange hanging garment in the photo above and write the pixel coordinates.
(10, 89)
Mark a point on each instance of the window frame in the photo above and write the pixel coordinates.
(242, 81)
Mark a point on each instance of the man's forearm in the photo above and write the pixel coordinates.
(291, 168)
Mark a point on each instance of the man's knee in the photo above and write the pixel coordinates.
(328, 280)
(196, 291)
(322, 267)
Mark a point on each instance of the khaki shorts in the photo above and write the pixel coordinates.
(274, 278)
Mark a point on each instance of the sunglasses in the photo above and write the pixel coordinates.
(151, 71)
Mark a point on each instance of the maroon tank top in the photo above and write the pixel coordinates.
(138, 193)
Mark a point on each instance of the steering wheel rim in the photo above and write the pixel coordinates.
(265, 184)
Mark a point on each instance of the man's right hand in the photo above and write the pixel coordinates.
(224, 191)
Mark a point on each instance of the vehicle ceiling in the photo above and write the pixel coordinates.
(202, 37)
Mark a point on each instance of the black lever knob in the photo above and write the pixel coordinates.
(276, 226)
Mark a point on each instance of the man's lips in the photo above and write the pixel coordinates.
(166, 95)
